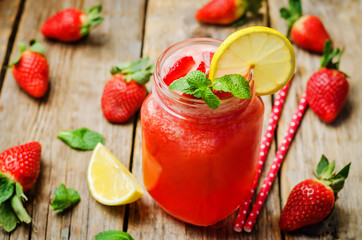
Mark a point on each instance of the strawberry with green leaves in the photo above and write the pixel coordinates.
(307, 31)
(311, 201)
(225, 12)
(124, 93)
(19, 170)
(71, 24)
(31, 70)
(327, 89)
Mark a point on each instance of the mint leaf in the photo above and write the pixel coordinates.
(8, 218)
(197, 83)
(179, 85)
(234, 84)
(113, 235)
(81, 139)
(6, 188)
(64, 198)
(197, 79)
(210, 98)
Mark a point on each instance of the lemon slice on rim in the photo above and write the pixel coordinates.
(268, 52)
(109, 181)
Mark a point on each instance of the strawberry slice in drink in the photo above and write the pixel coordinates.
(179, 69)
(202, 67)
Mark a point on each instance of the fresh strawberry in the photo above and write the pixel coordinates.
(202, 67)
(22, 164)
(327, 89)
(311, 201)
(31, 70)
(124, 93)
(179, 69)
(307, 31)
(71, 24)
(19, 170)
(226, 11)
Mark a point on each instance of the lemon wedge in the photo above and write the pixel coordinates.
(110, 183)
(264, 50)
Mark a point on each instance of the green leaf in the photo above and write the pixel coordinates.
(197, 79)
(328, 55)
(285, 13)
(64, 198)
(140, 77)
(19, 209)
(134, 66)
(113, 235)
(139, 70)
(179, 85)
(82, 138)
(37, 47)
(328, 171)
(234, 84)
(240, 22)
(254, 6)
(292, 14)
(210, 98)
(22, 47)
(6, 188)
(343, 173)
(323, 163)
(19, 191)
(296, 6)
(8, 218)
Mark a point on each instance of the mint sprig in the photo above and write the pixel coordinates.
(114, 235)
(197, 83)
(139, 70)
(64, 198)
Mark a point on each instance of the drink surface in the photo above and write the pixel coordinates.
(199, 166)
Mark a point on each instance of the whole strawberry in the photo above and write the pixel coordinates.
(327, 89)
(19, 170)
(307, 31)
(311, 201)
(22, 164)
(31, 69)
(226, 11)
(124, 93)
(71, 24)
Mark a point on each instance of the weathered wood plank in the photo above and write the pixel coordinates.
(340, 140)
(165, 26)
(8, 12)
(78, 73)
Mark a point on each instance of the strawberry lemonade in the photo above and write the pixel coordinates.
(199, 163)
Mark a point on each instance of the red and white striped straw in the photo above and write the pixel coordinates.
(264, 148)
(278, 159)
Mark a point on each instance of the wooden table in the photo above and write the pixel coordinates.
(136, 28)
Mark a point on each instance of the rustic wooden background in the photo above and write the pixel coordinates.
(136, 28)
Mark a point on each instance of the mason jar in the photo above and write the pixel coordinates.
(198, 163)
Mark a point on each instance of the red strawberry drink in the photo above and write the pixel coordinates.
(198, 163)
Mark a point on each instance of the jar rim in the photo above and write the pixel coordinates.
(158, 80)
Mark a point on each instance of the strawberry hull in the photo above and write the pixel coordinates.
(198, 163)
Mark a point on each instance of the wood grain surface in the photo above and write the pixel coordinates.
(339, 141)
(136, 28)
